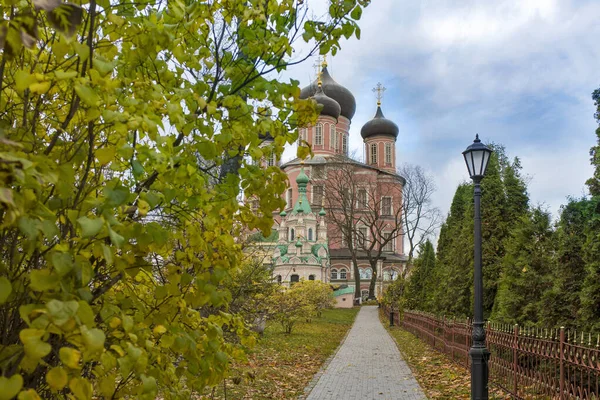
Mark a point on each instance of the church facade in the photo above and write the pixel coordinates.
(309, 243)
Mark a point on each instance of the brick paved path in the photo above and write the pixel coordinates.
(367, 366)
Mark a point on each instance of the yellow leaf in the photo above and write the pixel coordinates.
(57, 378)
(10, 387)
(39, 88)
(159, 329)
(70, 357)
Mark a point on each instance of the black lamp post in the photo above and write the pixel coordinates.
(477, 157)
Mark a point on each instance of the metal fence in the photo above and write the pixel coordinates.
(527, 363)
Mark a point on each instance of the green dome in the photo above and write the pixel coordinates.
(302, 178)
(298, 243)
(283, 213)
(322, 212)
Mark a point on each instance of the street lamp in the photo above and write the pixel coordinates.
(477, 157)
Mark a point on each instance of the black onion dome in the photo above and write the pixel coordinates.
(379, 125)
(334, 90)
(330, 106)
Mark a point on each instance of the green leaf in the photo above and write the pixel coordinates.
(5, 290)
(43, 279)
(34, 346)
(10, 387)
(62, 311)
(57, 378)
(90, 227)
(115, 238)
(87, 95)
(93, 339)
(62, 262)
(85, 314)
(356, 13)
(106, 154)
(81, 388)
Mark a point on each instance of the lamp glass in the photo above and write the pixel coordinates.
(477, 161)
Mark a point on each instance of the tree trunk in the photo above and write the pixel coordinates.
(356, 273)
(373, 282)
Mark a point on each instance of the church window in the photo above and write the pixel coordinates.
(319, 135)
(318, 171)
(310, 234)
(343, 273)
(388, 242)
(254, 205)
(362, 237)
(332, 138)
(362, 198)
(311, 277)
(386, 206)
(279, 279)
(294, 278)
(317, 194)
(292, 234)
(334, 274)
(271, 160)
(289, 198)
(366, 273)
(388, 153)
(344, 144)
(373, 153)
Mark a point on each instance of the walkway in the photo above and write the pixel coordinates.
(367, 366)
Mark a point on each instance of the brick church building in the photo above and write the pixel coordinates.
(308, 243)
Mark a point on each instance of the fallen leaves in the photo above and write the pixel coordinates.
(282, 364)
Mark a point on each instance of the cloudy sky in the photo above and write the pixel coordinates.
(518, 72)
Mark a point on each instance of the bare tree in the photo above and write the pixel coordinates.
(341, 200)
(367, 210)
(421, 219)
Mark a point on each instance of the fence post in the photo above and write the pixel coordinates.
(515, 363)
(452, 332)
(467, 341)
(562, 363)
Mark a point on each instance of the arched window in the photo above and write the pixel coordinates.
(294, 278)
(366, 273)
(373, 153)
(388, 154)
(343, 273)
(311, 277)
(279, 279)
(292, 234)
(310, 235)
(344, 144)
(272, 161)
(319, 135)
(334, 274)
(332, 138)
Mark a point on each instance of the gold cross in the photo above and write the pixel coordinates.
(379, 89)
(317, 67)
(324, 60)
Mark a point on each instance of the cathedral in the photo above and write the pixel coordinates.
(308, 242)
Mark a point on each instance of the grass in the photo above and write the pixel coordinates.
(438, 375)
(281, 365)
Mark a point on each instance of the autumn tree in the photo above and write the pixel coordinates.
(126, 132)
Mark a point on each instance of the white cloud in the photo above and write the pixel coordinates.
(519, 72)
